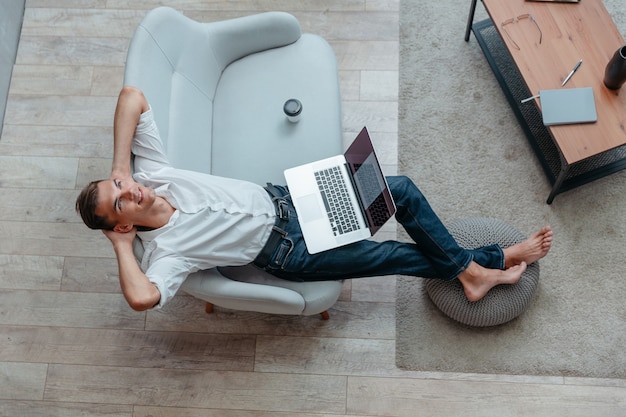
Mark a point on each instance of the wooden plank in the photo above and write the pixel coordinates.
(327, 356)
(37, 172)
(90, 169)
(52, 409)
(195, 389)
(331, 25)
(90, 275)
(354, 320)
(127, 348)
(386, 144)
(80, 22)
(52, 79)
(371, 55)
(58, 141)
(70, 50)
(387, 5)
(70, 4)
(378, 116)
(107, 81)
(350, 84)
(379, 85)
(66, 309)
(22, 381)
(53, 239)
(60, 110)
(382, 25)
(30, 272)
(141, 411)
(375, 289)
(38, 205)
(414, 398)
(247, 6)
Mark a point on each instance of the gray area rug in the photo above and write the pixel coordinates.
(461, 143)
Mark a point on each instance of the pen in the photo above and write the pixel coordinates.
(526, 100)
(572, 72)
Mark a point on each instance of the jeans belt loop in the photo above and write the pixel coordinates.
(278, 230)
(283, 209)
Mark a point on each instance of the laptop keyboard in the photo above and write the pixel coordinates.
(334, 192)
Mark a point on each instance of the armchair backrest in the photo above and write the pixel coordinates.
(177, 62)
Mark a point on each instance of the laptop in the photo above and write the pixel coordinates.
(341, 199)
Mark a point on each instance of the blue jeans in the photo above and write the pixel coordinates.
(433, 253)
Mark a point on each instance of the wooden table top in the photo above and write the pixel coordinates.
(569, 32)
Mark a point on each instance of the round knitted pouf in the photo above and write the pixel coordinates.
(503, 302)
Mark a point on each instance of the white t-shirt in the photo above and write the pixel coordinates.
(218, 221)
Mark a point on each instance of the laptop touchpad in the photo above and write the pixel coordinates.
(309, 208)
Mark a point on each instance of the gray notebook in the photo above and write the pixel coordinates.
(567, 106)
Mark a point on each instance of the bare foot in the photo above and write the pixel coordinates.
(530, 250)
(477, 280)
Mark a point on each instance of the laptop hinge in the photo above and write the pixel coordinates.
(356, 191)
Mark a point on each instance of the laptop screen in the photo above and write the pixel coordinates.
(369, 181)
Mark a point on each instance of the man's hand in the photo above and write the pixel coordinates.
(120, 238)
(139, 292)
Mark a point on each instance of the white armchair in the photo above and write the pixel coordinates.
(217, 91)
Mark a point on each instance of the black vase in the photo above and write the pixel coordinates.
(615, 72)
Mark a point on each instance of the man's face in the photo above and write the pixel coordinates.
(124, 203)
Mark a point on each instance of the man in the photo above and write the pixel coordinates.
(190, 221)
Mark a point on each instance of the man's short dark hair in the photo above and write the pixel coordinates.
(86, 205)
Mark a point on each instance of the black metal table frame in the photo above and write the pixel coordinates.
(562, 176)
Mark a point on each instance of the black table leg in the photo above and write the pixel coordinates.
(558, 183)
(470, 20)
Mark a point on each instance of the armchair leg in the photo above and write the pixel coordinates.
(208, 308)
(325, 315)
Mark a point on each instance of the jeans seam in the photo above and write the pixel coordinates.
(460, 268)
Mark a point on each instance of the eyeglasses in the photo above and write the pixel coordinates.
(517, 19)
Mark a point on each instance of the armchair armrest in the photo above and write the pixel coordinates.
(236, 38)
(211, 286)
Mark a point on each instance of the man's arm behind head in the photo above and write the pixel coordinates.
(131, 103)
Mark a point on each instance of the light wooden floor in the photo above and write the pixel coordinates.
(70, 346)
